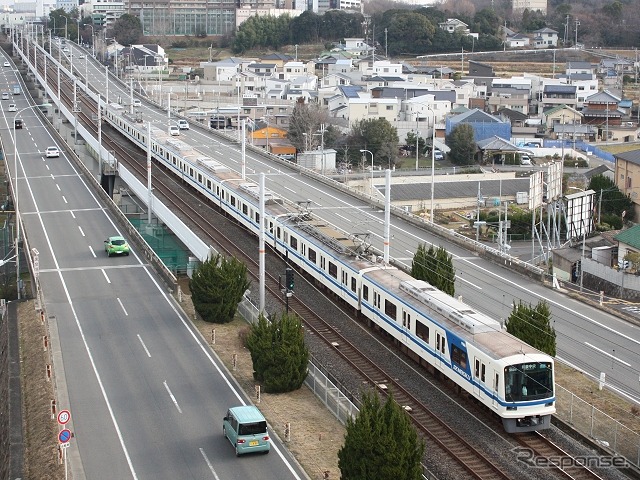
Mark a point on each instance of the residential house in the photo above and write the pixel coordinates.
(601, 109)
(341, 65)
(628, 242)
(560, 114)
(453, 24)
(279, 59)
(554, 95)
(357, 47)
(627, 177)
(223, 70)
(293, 69)
(335, 80)
(616, 66)
(513, 93)
(517, 40)
(373, 108)
(545, 38)
(272, 139)
(484, 125)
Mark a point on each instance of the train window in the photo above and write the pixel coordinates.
(312, 255)
(258, 218)
(208, 184)
(408, 321)
(353, 284)
(376, 300)
(422, 331)
(459, 356)
(496, 381)
(294, 243)
(218, 190)
(245, 209)
(476, 370)
(199, 178)
(191, 172)
(365, 293)
(175, 162)
(333, 270)
(482, 373)
(323, 263)
(304, 249)
(437, 341)
(233, 201)
(390, 310)
(279, 232)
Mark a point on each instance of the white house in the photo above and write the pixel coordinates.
(545, 38)
(453, 24)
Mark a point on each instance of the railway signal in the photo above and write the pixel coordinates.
(289, 279)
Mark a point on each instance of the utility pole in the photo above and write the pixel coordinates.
(576, 43)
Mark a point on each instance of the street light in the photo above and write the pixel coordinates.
(15, 192)
(371, 153)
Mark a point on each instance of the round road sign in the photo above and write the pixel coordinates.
(63, 417)
(64, 436)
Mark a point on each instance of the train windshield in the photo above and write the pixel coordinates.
(528, 381)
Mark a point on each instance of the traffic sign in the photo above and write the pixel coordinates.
(64, 435)
(63, 417)
(65, 445)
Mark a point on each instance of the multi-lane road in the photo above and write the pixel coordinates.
(146, 396)
(133, 363)
(588, 338)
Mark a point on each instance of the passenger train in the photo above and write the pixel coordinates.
(511, 378)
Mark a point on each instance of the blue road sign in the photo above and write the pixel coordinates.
(64, 435)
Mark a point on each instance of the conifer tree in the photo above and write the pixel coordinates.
(217, 288)
(279, 353)
(381, 443)
(533, 326)
(434, 266)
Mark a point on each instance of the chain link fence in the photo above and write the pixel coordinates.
(597, 425)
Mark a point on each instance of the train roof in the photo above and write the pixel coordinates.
(484, 332)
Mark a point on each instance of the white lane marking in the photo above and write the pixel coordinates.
(374, 234)
(215, 475)
(122, 306)
(409, 252)
(290, 189)
(342, 216)
(47, 166)
(105, 275)
(65, 199)
(92, 252)
(81, 231)
(175, 402)
(467, 281)
(72, 214)
(58, 187)
(144, 346)
(607, 354)
(72, 308)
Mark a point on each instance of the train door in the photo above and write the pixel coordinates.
(496, 384)
(440, 349)
(476, 377)
(406, 326)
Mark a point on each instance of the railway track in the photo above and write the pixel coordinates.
(473, 462)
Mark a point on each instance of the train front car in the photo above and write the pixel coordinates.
(528, 392)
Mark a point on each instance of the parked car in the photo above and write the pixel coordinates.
(438, 155)
(174, 130)
(116, 245)
(52, 152)
(183, 125)
(525, 160)
(12, 107)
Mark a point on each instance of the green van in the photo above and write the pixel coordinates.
(246, 429)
